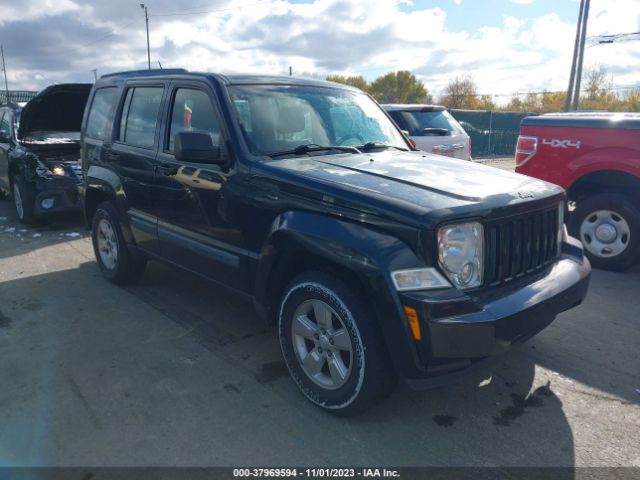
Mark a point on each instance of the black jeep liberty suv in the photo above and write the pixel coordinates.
(375, 261)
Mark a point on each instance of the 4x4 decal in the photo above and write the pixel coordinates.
(555, 143)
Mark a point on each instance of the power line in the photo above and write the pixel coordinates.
(183, 13)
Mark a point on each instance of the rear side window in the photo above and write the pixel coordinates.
(5, 124)
(417, 121)
(140, 116)
(98, 122)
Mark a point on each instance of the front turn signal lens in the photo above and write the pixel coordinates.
(413, 321)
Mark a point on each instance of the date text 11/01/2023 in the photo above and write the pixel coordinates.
(315, 472)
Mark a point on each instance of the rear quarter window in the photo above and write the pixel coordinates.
(98, 123)
(140, 116)
(417, 121)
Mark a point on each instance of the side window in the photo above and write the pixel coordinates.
(98, 122)
(192, 110)
(5, 125)
(140, 116)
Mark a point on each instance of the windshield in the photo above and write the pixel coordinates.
(277, 118)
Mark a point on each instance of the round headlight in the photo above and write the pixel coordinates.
(460, 253)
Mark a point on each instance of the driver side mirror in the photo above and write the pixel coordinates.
(4, 136)
(198, 147)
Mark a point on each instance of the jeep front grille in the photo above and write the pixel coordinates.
(520, 245)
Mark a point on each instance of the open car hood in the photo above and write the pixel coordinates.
(58, 108)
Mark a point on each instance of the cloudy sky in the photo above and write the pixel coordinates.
(507, 46)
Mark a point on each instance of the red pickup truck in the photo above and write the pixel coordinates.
(596, 158)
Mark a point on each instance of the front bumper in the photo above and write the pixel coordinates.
(458, 329)
(62, 192)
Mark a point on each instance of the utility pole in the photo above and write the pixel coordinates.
(290, 70)
(572, 76)
(576, 98)
(146, 18)
(4, 69)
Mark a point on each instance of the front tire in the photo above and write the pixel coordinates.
(608, 225)
(331, 345)
(118, 263)
(23, 200)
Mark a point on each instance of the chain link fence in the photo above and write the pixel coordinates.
(16, 96)
(493, 134)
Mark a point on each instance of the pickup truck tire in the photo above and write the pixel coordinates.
(116, 260)
(23, 200)
(331, 345)
(608, 225)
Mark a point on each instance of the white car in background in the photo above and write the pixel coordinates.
(432, 128)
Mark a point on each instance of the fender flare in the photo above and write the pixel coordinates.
(369, 254)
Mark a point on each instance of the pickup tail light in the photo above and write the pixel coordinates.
(470, 151)
(525, 149)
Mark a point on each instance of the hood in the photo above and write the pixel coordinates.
(58, 108)
(422, 182)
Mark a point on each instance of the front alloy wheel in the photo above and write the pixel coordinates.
(23, 200)
(322, 344)
(331, 345)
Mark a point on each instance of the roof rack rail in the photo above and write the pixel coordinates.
(151, 72)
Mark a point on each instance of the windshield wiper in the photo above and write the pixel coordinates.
(371, 145)
(313, 147)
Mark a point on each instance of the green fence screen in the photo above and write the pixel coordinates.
(16, 96)
(493, 134)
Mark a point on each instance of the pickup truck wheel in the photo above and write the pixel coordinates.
(331, 346)
(608, 225)
(118, 263)
(23, 200)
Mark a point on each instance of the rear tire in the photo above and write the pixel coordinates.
(608, 225)
(118, 263)
(331, 345)
(23, 200)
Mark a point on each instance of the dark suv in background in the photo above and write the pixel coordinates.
(39, 151)
(375, 260)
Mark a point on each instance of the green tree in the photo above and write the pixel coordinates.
(400, 87)
(357, 81)
(598, 91)
(461, 92)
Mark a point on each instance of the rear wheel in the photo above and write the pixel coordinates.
(23, 200)
(331, 345)
(608, 225)
(119, 264)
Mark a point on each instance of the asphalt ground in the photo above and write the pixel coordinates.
(175, 371)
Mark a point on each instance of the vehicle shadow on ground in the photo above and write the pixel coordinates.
(514, 416)
(510, 421)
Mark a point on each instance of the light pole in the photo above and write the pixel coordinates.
(4, 69)
(146, 18)
(573, 93)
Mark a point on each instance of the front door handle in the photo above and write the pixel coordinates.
(113, 157)
(167, 170)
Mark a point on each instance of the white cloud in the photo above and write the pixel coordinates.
(522, 2)
(366, 37)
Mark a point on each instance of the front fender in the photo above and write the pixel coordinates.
(369, 254)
